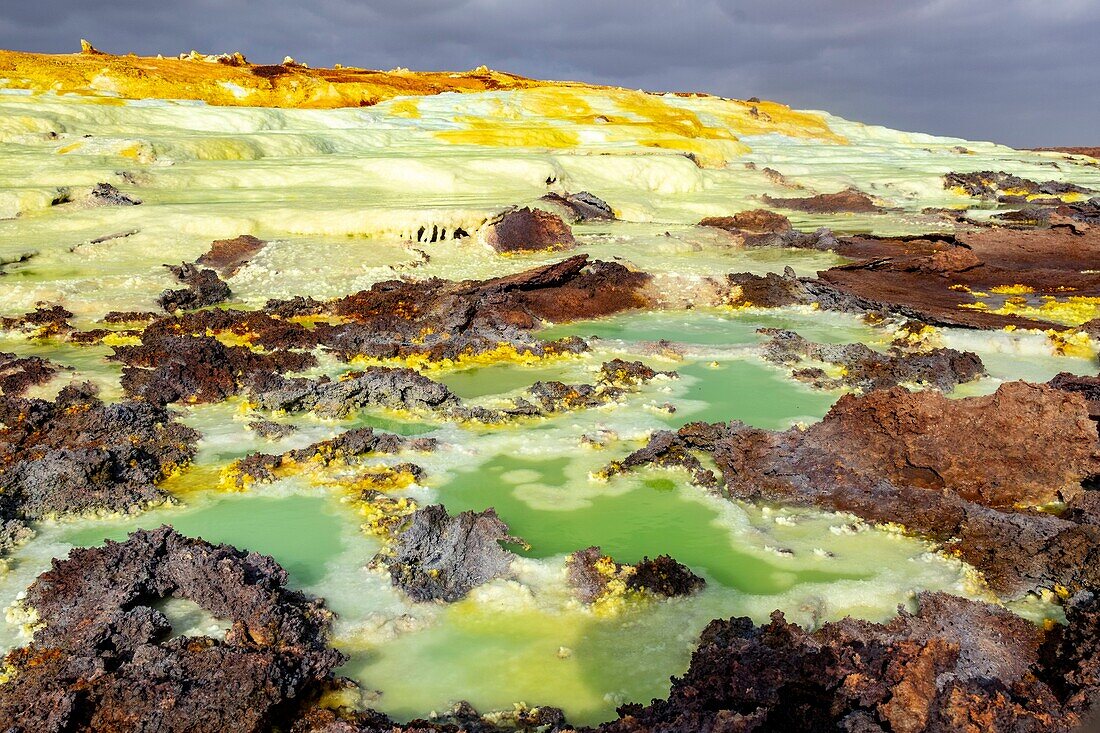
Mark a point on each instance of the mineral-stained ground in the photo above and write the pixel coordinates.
(338, 400)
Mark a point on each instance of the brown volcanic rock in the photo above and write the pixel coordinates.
(1006, 187)
(846, 201)
(103, 660)
(77, 455)
(956, 471)
(432, 319)
(204, 288)
(932, 277)
(227, 256)
(590, 572)
(954, 665)
(529, 230)
(1088, 387)
(757, 221)
(18, 374)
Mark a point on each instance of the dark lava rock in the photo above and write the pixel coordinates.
(104, 194)
(962, 472)
(529, 230)
(271, 430)
(166, 368)
(617, 378)
(20, 373)
(582, 206)
(462, 718)
(204, 288)
(394, 388)
(866, 369)
(77, 455)
(227, 256)
(846, 201)
(442, 557)
(44, 321)
(590, 572)
(954, 665)
(344, 447)
(1006, 187)
(104, 660)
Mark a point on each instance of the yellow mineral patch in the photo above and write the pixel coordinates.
(121, 339)
(1072, 311)
(1072, 343)
(1012, 289)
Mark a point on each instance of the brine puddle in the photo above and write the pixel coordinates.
(525, 638)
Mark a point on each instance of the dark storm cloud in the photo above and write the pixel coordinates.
(1023, 72)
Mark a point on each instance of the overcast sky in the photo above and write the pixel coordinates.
(1021, 72)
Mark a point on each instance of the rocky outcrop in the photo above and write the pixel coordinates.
(617, 378)
(20, 373)
(43, 322)
(102, 194)
(393, 388)
(595, 577)
(227, 256)
(103, 658)
(953, 665)
(859, 367)
(962, 472)
(441, 557)
(1087, 387)
(581, 207)
(167, 368)
(345, 447)
(204, 288)
(528, 230)
(846, 201)
(1007, 188)
(77, 455)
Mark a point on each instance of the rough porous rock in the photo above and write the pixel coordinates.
(594, 575)
(846, 201)
(858, 366)
(227, 256)
(954, 665)
(167, 368)
(1087, 387)
(433, 319)
(204, 288)
(616, 379)
(756, 221)
(1008, 188)
(77, 455)
(528, 230)
(961, 472)
(344, 447)
(442, 557)
(393, 388)
(20, 373)
(582, 206)
(104, 660)
(43, 322)
(462, 718)
(271, 430)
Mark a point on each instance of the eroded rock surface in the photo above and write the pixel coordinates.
(582, 206)
(20, 373)
(228, 256)
(594, 575)
(1008, 188)
(848, 200)
(77, 455)
(528, 230)
(442, 557)
(204, 288)
(616, 379)
(954, 665)
(962, 472)
(264, 467)
(103, 659)
(859, 366)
